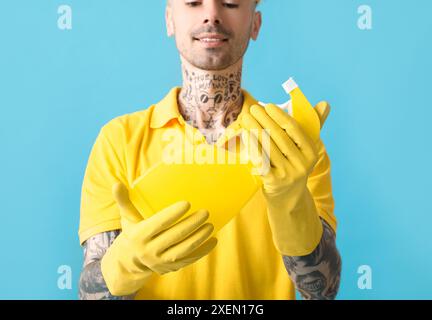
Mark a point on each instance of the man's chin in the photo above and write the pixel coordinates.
(211, 63)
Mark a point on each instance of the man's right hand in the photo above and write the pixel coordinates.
(158, 244)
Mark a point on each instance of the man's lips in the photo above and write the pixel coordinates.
(211, 41)
(211, 38)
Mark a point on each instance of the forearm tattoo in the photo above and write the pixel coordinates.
(210, 102)
(92, 285)
(317, 275)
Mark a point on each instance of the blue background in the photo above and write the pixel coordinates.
(57, 88)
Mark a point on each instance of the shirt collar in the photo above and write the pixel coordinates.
(167, 109)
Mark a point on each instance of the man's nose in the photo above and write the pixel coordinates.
(212, 12)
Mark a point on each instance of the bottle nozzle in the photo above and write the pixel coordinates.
(289, 85)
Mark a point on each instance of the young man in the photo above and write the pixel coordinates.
(284, 237)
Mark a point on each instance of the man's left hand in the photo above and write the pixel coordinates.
(292, 155)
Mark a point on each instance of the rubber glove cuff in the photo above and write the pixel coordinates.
(296, 226)
(113, 269)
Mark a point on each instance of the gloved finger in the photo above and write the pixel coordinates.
(262, 167)
(180, 230)
(303, 142)
(279, 136)
(162, 220)
(127, 209)
(202, 251)
(257, 156)
(277, 159)
(323, 110)
(188, 245)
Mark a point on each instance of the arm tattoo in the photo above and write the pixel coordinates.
(92, 285)
(317, 275)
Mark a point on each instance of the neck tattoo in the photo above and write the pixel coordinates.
(210, 101)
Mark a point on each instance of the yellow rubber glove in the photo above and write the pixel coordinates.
(292, 155)
(157, 244)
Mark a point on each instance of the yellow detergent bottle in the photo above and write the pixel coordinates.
(301, 109)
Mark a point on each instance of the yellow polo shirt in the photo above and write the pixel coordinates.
(245, 263)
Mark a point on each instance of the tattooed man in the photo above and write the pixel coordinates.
(284, 237)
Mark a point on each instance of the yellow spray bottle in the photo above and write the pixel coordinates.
(301, 109)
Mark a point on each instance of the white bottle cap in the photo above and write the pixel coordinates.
(289, 85)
